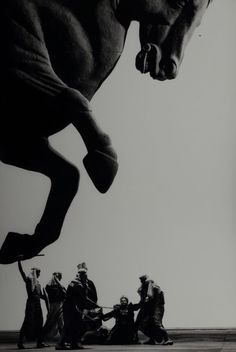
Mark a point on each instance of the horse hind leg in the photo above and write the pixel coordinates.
(64, 185)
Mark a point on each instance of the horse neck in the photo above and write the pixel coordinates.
(110, 14)
(106, 9)
(125, 10)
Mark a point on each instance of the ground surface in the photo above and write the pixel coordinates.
(196, 346)
(185, 340)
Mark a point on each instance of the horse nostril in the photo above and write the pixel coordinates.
(169, 67)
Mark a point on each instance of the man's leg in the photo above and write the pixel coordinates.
(77, 330)
(20, 343)
(160, 332)
(65, 337)
(60, 320)
(139, 317)
(146, 327)
(50, 322)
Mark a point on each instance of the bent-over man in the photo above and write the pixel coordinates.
(150, 316)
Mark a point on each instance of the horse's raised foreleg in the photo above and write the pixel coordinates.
(64, 184)
(101, 160)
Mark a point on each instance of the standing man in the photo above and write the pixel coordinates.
(56, 295)
(33, 321)
(81, 296)
(150, 316)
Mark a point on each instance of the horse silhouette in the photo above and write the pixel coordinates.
(55, 55)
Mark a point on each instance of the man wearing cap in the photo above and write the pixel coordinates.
(33, 321)
(56, 293)
(81, 295)
(150, 316)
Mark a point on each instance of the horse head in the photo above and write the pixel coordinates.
(166, 27)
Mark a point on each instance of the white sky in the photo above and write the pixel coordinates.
(171, 210)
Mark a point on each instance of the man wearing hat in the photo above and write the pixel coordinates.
(33, 321)
(149, 319)
(81, 295)
(56, 295)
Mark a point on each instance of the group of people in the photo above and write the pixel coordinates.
(75, 314)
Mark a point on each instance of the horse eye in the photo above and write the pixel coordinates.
(178, 4)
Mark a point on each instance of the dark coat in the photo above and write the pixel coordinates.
(124, 330)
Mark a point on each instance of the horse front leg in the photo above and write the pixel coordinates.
(101, 160)
(64, 179)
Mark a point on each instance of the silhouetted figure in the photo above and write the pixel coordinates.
(150, 316)
(55, 55)
(56, 295)
(123, 331)
(94, 331)
(81, 295)
(97, 337)
(33, 321)
(92, 319)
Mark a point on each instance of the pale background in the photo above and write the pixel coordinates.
(172, 208)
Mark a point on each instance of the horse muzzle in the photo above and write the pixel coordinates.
(168, 69)
(149, 59)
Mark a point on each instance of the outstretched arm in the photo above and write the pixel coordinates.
(108, 315)
(21, 270)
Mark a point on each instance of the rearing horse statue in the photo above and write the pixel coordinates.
(55, 55)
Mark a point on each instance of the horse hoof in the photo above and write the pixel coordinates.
(16, 247)
(101, 168)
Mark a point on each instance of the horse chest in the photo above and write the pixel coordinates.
(84, 51)
(78, 65)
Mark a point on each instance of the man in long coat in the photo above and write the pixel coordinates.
(81, 296)
(33, 321)
(150, 316)
(56, 293)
